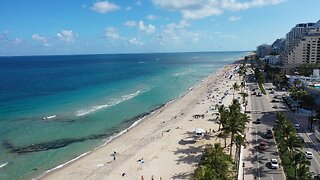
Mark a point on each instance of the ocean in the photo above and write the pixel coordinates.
(55, 108)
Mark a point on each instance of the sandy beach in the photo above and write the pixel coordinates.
(157, 146)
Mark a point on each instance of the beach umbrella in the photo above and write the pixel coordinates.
(199, 131)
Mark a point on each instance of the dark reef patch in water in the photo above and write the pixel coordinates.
(56, 144)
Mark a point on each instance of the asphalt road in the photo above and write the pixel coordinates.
(262, 108)
(303, 132)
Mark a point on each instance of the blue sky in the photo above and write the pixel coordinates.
(38, 27)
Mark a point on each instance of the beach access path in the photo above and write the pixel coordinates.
(155, 147)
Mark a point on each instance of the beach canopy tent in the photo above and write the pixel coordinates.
(199, 131)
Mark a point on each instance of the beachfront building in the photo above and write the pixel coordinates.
(307, 50)
(313, 81)
(272, 60)
(263, 50)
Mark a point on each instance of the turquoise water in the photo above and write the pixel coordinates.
(87, 99)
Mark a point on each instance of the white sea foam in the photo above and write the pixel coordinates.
(49, 117)
(112, 103)
(3, 165)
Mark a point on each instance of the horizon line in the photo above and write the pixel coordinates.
(122, 53)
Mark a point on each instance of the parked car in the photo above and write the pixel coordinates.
(269, 133)
(274, 164)
(263, 145)
(258, 121)
(297, 126)
(309, 155)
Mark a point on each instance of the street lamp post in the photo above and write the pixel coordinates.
(243, 165)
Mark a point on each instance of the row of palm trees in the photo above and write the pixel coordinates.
(294, 160)
(233, 124)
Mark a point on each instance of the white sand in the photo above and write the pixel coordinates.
(157, 139)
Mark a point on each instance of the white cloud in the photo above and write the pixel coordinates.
(104, 7)
(149, 29)
(152, 17)
(235, 5)
(176, 34)
(199, 9)
(112, 33)
(135, 41)
(130, 23)
(201, 13)
(128, 8)
(234, 18)
(38, 37)
(67, 36)
(229, 36)
(42, 39)
(178, 4)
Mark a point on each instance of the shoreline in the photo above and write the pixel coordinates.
(139, 122)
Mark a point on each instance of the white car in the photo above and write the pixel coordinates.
(297, 126)
(274, 164)
(309, 155)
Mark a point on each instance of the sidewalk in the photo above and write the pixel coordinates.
(249, 158)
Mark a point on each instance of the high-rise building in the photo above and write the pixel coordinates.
(296, 32)
(263, 50)
(278, 46)
(306, 50)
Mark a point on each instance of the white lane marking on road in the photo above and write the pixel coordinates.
(257, 156)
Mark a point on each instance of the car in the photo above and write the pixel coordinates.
(309, 155)
(269, 133)
(275, 100)
(263, 145)
(258, 121)
(274, 164)
(254, 93)
(297, 126)
(275, 107)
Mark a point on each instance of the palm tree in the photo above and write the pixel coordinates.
(235, 87)
(277, 80)
(240, 140)
(214, 164)
(297, 83)
(222, 116)
(292, 141)
(303, 172)
(236, 122)
(244, 95)
(298, 160)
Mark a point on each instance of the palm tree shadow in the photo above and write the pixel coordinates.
(189, 155)
(183, 175)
